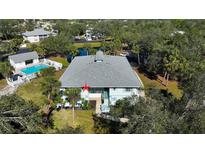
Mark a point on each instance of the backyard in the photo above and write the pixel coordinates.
(61, 60)
(83, 118)
(172, 86)
(32, 91)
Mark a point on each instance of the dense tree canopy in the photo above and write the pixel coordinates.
(9, 28)
(160, 113)
(5, 69)
(19, 116)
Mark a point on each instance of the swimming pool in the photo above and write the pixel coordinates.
(34, 69)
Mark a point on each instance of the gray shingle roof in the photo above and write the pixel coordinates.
(113, 71)
(39, 31)
(24, 56)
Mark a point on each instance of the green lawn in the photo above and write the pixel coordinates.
(3, 83)
(92, 44)
(32, 90)
(172, 87)
(61, 60)
(58, 74)
(83, 118)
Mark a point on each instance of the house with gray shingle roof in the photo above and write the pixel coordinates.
(108, 78)
(37, 35)
(22, 59)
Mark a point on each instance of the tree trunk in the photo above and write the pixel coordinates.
(73, 115)
(50, 110)
(49, 95)
(49, 104)
(165, 74)
(167, 80)
(138, 57)
(6, 36)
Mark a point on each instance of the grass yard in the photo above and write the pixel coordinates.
(59, 73)
(61, 60)
(83, 118)
(91, 44)
(172, 85)
(3, 83)
(32, 90)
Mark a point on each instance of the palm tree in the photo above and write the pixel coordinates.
(73, 95)
(50, 87)
(5, 69)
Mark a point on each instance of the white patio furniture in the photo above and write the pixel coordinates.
(59, 106)
(67, 105)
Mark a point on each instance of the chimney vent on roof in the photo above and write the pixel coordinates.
(99, 56)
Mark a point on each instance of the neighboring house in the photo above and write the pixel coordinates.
(37, 35)
(110, 78)
(21, 60)
(27, 65)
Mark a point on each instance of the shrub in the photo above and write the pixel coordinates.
(85, 105)
(48, 71)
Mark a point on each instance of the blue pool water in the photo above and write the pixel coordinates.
(34, 69)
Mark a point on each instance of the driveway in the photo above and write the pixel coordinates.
(8, 90)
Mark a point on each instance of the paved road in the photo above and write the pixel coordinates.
(7, 90)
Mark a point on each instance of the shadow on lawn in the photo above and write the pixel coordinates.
(150, 75)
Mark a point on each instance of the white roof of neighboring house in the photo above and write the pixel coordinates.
(37, 32)
(24, 56)
(100, 71)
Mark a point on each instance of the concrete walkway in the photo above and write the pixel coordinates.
(8, 90)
